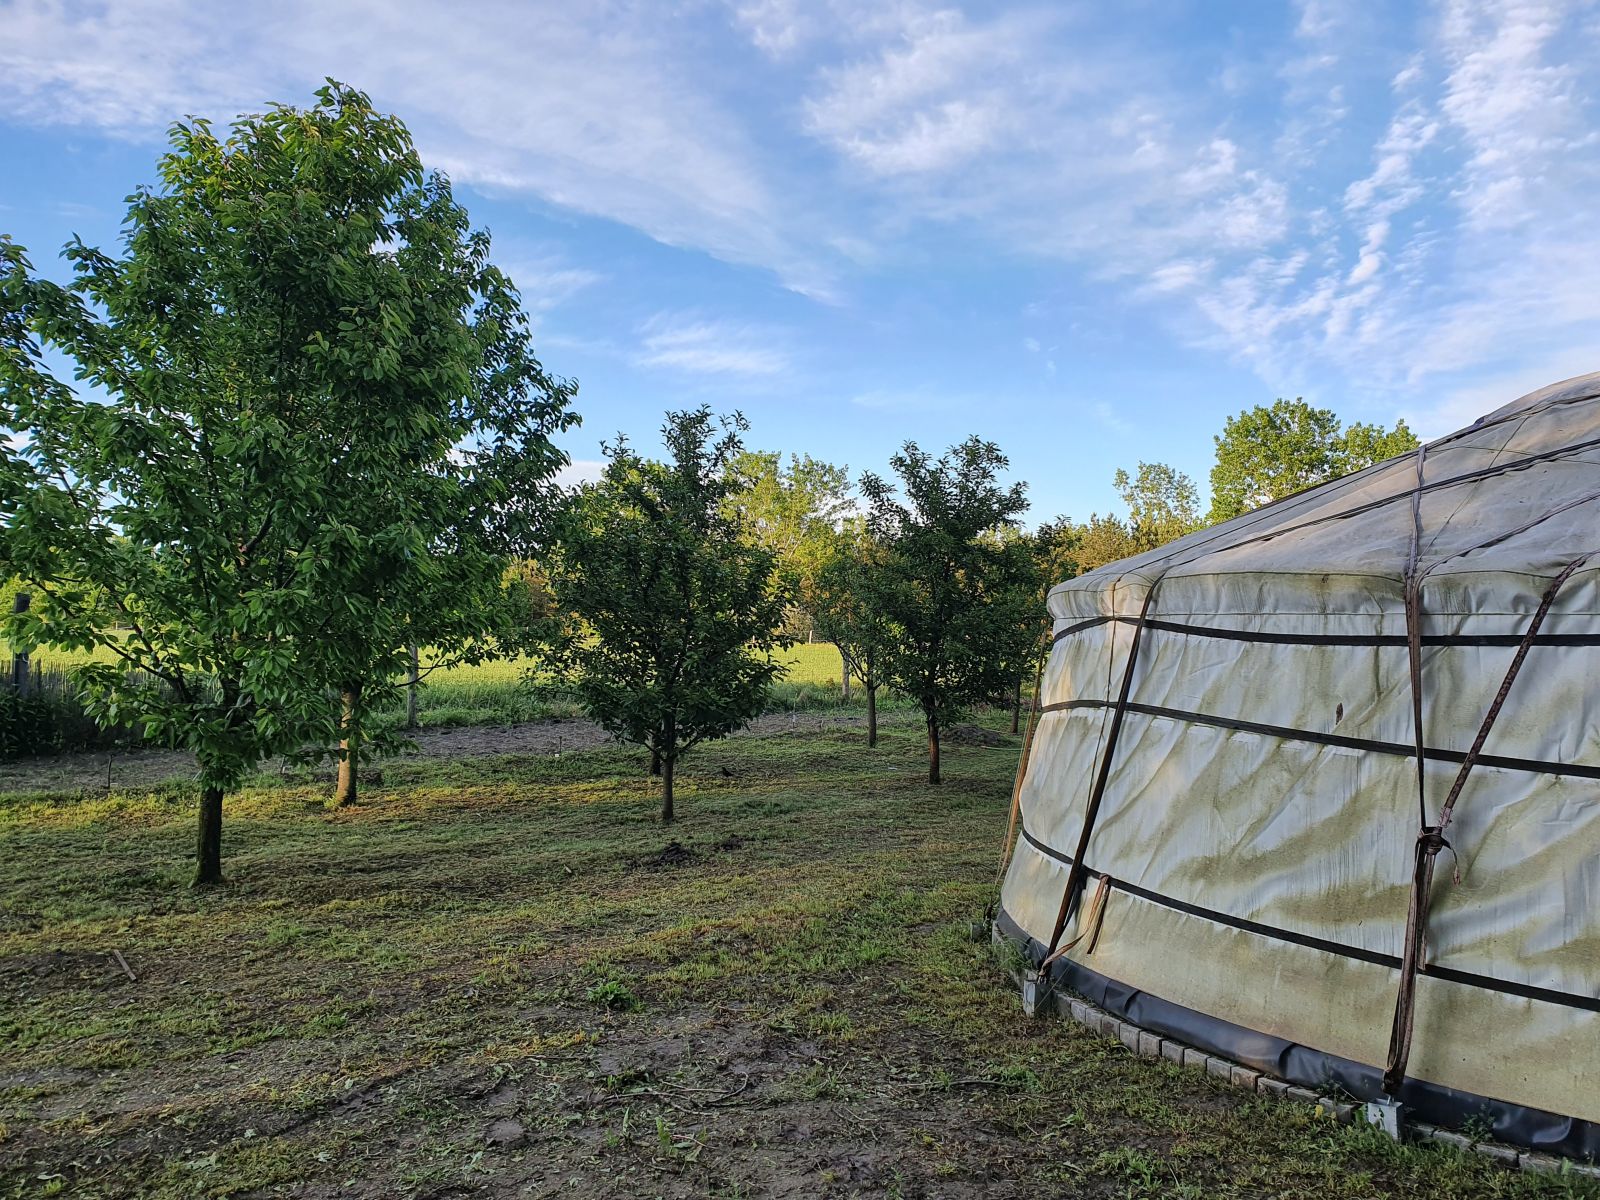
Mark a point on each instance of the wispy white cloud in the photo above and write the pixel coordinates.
(1516, 104)
(1404, 202)
(779, 27)
(544, 276)
(1459, 247)
(588, 107)
(710, 347)
(1108, 417)
(931, 97)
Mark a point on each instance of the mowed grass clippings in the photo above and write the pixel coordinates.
(504, 977)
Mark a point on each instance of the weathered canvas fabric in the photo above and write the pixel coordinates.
(1260, 813)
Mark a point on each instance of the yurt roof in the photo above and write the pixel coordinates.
(1503, 506)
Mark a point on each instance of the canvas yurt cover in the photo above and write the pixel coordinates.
(1225, 837)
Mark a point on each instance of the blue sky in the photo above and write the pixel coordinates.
(1089, 232)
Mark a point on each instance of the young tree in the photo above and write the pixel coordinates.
(293, 343)
(675, 606)
(1265, 454)
(849, 614)
(1019, 605)
(941, 581)
(434, 533)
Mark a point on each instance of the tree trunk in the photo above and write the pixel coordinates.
(19, 662)
(669, 763)
(872, 711)
(655, 760)
(344, 788)
(933, 750)
(413, 681)
(208, 847)
(1016, 705)
(844, 676)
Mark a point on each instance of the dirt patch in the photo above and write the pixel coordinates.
(975, 735)
(674, 854)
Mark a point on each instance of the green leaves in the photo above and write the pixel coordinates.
(945, 579)
(1265, 454)
(673, 605)
(308, 396)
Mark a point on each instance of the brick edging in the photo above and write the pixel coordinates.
(1151, 1045)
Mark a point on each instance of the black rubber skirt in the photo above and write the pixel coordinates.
(1534, 1128)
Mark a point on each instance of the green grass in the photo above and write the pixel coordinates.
(505, 976)
(492, 693)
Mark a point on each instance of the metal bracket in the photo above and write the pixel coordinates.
(1384, 1115)
(1034, 992)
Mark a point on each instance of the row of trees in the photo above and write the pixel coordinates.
(674, 583)
(679, 578)
(1263, 454)
(311, 434)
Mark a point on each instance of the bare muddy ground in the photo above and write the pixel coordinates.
(115, 770)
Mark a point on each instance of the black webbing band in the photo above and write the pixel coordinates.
(1508, 640)
(1289, 734)
(1344, 950)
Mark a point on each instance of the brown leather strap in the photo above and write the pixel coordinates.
(1413, 603)
(1426, 849)
(1431, 840)
(1069, 895)
(1499, 700)
(1091, 930)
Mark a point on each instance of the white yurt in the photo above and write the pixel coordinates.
(1318, 790)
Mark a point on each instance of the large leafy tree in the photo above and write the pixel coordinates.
(435, 533)
(1268, 452)
(675, 607)
(283, 363)
(945, 579)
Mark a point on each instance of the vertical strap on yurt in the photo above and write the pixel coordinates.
(1075, 874)
(1426, 848)
(1431, 840)
(1413, 604)
(1022, 761)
